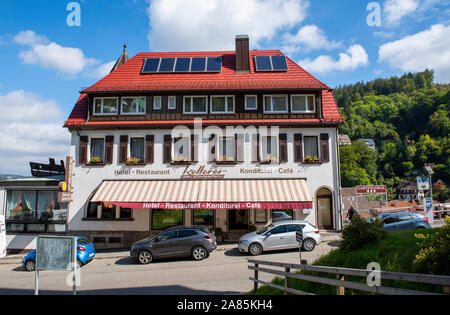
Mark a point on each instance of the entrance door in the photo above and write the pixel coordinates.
(324, 209)
(238, 219)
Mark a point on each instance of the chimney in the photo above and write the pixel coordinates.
(242, 54)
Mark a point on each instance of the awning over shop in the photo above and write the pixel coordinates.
(206, 194)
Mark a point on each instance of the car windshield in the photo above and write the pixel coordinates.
(262, 231)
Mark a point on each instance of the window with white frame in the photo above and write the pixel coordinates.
(275, 103)
(269, 149)
(157, 103)
(133, 105)
(222, 104)
(106, 105)
(172, 102)
(181, 149)
(311, 147)
(251, 102)
(195, 105)
(303, 104)
(227, 149)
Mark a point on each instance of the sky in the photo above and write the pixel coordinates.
(52, 49)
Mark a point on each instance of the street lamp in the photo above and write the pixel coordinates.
(428, 213)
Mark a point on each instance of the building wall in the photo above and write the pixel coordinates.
(86, 179)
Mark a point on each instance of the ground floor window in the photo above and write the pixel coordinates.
(107, 211)
(204, 217)
(280, 215)
(260, 216)
(163, 218)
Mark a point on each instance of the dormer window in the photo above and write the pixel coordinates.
(133, 105)
(303, 104)
(106, 105)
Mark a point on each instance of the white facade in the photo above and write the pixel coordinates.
(87, 179)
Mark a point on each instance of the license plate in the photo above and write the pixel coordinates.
(92, 254)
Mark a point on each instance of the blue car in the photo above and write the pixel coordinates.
(403, 221)
(85, 254)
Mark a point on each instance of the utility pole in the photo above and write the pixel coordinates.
(429, 212)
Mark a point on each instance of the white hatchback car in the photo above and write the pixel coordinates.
(280, 235)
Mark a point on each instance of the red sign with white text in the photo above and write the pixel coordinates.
(371, 189)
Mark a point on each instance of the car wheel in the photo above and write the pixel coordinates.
(255, 249)
(30, 265)
(144, 257)
(199, 253)
(309, 244)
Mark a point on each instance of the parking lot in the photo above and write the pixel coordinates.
(224, 272)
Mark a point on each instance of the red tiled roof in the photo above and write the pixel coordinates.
(128, 77)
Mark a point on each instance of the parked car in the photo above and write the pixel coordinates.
(403, 221)
(85, 254)
(280, 216)
(280, 235)
(180, 241)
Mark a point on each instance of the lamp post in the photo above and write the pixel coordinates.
(429, 212)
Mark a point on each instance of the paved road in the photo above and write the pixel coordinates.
(224, 272)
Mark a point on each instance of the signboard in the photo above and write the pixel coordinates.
(64, 197)
(299, 235)
(57, 253)
(363, 190)
(423, 183)
(215, 205)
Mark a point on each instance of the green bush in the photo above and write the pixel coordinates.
(361, 232)
(434, 251)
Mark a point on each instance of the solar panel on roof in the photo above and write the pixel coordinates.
(198, 64)
(263, 63)
(151, 65)
(214, 64)
(279, 63)
(183, 64)
(166, 65)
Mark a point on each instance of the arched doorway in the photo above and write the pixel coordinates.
(324, 208)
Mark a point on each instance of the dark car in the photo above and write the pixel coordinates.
(182, 241)
(404, 221)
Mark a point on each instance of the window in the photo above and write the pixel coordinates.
(269, 149)
(311, 147)
(126, 213)
(92, 211)
(390, 219)
(294, 227)
(108, 211)
(157, 103)
(97, 150)
(163, 219)
(133, 105)
(303, 104)
(137, 149)
(186, 233)
(280, 215)
(172, 102)
(181, 150)
(227, 150)
(168, 235)
(251, 102)
(222, 104)
(275, 103)
(106, 105)
(278, 230)
(195, 105)
(204, 217)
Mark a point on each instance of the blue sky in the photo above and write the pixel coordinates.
(45, 62)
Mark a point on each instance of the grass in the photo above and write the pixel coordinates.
(395, 253)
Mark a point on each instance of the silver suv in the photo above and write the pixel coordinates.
(280, 235)
(180, 241)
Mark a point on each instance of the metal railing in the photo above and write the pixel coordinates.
(340, 283)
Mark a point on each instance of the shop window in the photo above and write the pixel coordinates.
(163, 219)
(48, 207)
(108, 211)
(260, 216)
(204, 217)
(92, 211)
(138, 149)
(21, 205)
(311, 147)
(280, 215)
(126, 213)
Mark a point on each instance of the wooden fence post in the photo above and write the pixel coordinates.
(287, 280)
(255, 287)
(340, 290)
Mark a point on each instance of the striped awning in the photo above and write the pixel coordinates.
(206, 194)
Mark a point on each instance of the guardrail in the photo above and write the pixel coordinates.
(340, 283)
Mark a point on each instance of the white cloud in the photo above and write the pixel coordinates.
(66, 60)
(186, 25)
(395, 10)
(427, 49)
(103, 70)
(355, 56)
(30, 131)
(308, 38)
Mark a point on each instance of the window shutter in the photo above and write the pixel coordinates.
(239, 149)
(109, 147)
(123, 149)
(255, 148)
(324, 147)
(283, 147)
(167, 149)
(298, 149)
(83, 149)
(194, 146)
(149, 148)
(212, 148)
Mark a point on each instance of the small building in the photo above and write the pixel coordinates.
(407, 190)
(370, 143)
(344, 140)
